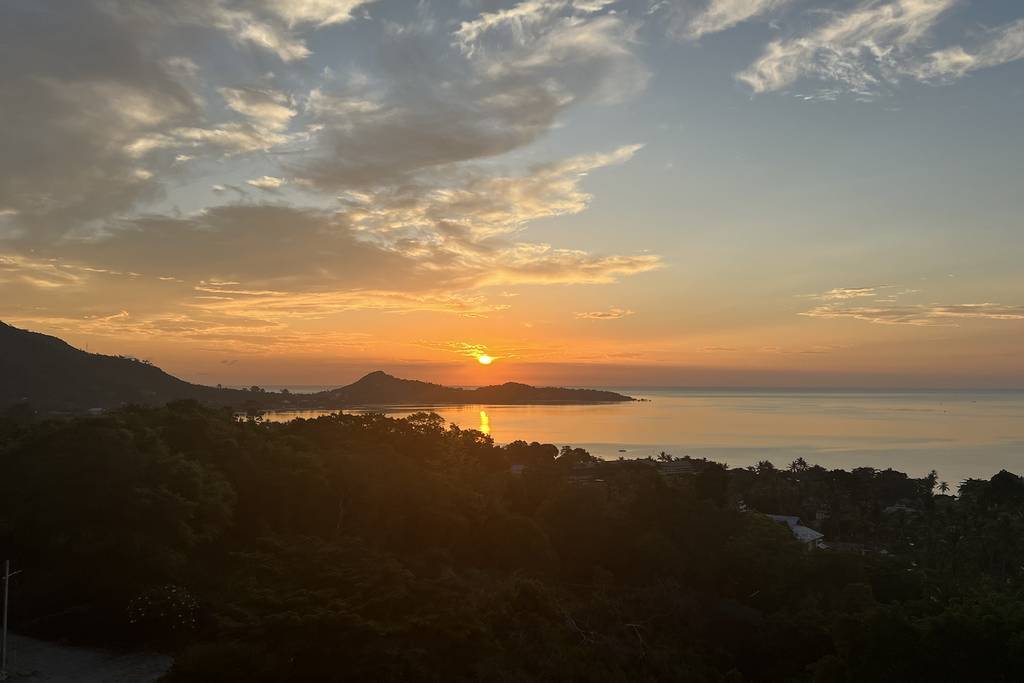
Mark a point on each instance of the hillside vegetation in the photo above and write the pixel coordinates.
(369, 548)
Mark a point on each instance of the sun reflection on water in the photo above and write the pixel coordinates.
(485, 422)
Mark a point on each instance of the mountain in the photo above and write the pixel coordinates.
(52, 376)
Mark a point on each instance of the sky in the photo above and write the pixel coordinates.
(591, 192)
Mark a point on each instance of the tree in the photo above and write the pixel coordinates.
(103, 498)
(713, 484)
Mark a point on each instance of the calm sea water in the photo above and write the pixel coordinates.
(960, 434)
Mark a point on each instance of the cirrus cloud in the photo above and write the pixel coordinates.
(613, 313)
(919, 315)
(1002, 45)
(875, 45)
(718, 15)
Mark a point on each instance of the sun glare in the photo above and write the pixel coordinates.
(485, 359)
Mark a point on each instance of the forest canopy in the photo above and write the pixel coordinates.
(361, 547)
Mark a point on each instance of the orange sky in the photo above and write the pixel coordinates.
(593, 193)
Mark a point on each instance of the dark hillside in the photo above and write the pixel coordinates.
(50, 375)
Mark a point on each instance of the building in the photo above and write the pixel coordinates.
(805, 534)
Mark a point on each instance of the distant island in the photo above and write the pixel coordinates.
(49, 375)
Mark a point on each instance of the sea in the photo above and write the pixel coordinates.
(960, 434)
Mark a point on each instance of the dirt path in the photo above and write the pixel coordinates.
(36, 660)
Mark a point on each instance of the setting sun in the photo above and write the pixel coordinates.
(485, 359)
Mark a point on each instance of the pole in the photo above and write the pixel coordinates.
(3, 633)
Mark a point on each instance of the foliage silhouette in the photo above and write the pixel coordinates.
(368, 548)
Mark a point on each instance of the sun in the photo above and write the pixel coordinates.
(484, 359)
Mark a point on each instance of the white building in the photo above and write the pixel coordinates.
(804, 534)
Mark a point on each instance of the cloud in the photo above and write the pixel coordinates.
(888, 310)
(861, 49)
(204, 331)
(541, 264)
(718, 15)
(461, 348)
(247, 22)
(71, 112)
(1003, 45)
(43, 274)
(475, 204)
(89, 134)
(500, 89)
(247, 269)
(842, 293)
(518, 350)
(268, 25)
(318, 12)
(231, 138)
(93, 138)
(416, 212)
(266, 113)
(523, 21)
(920, 315)
(267, 109)
(610, 314)
(266, 182)
(274, 306)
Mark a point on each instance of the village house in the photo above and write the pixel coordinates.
(806, 535)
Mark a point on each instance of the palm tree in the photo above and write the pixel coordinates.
(943, 488)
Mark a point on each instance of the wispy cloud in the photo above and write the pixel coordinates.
(196, 329)
(610, 314)
(887, 306)
(919, 315)
(476, 203)
(233, 270)
(1002, 45)
(463, 348)
(269, 25)
(842, 293)
(319, 13)
(862, 49)
(542, 264)
(275, 306)
(719, 15)
(266, 182)
(266, 108)
(524, 21)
